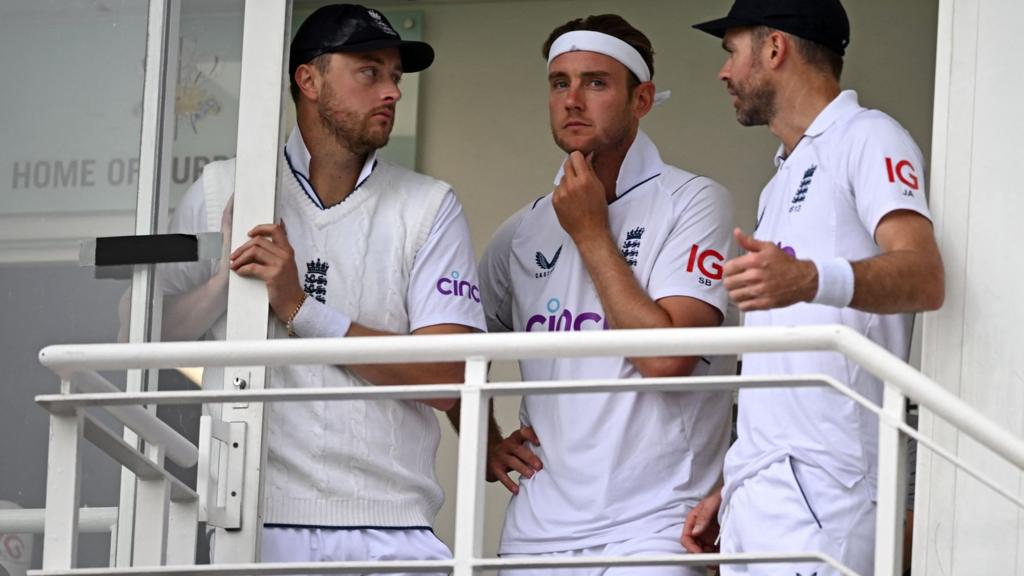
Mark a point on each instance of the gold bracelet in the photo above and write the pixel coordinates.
(291, 317)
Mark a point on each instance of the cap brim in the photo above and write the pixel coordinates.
(416, 56)
(719, 27)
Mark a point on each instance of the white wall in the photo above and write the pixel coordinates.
(483, 114)
(973, 345)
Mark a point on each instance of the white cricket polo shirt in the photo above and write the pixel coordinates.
(852, 167)
(624, 465)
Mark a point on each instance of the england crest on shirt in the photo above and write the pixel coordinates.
(315, 283)
(801, 191)
(631, 245)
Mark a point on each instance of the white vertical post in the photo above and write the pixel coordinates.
(156, 143)
(63, 469)
(469, 504)
(182, 529)
(112, 560)
(151, 502)
(265, 34)
(892, 484)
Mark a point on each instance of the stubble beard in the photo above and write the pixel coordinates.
(756, 103)
(347, 128)
(611, 138)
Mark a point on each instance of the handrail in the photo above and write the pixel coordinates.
(30, 520)
(63, 359)
(58, 403)
(66, 359)
(433, 566)
(80, 363)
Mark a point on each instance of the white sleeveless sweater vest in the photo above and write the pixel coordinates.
(352, 463)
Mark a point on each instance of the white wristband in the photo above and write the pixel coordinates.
(317, 320)
(835, 282)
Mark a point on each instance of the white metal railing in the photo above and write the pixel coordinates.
(31, 521)
(77, 364)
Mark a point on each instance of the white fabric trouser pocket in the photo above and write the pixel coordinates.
(792, 507)
(356, 544)
(661, 543)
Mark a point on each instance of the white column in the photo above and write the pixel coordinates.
(972, 346)
(264, 53)
(182, 530)
(892, 482)
(63, 471)
(151, 504)
(156, 143)
(469, 505)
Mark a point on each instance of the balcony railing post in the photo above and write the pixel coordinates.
(892, 484)
(64, 467)
(469, 504)
(182, 529)
(151, 504)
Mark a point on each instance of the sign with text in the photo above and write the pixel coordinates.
(72, 112)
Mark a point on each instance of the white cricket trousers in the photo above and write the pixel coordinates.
(791, 506)
(660, 544)
(351, 545)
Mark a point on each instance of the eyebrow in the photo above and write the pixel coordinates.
(587, 74)
(372, 58)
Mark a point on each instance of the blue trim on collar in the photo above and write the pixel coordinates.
(635, 186)
(372, 170)
(304, 182)
(307, 186)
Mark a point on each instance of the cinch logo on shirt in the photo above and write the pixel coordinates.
(457, 288)
(904, 171)
(711, 270)
(545, 266)
(566, 321)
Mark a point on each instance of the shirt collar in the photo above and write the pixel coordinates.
(642, 162)
(843, 105)
(298, 160)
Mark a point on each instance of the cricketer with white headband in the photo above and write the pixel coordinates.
(601, 43)
(609, 474)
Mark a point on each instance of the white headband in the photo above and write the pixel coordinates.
(591, 41)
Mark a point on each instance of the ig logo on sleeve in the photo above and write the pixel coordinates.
(709, 262)
(903, 171)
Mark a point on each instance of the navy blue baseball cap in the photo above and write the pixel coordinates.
(821, 21)
(353, 28)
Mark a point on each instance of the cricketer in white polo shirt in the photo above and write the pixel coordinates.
(843, 236)
(624, 241)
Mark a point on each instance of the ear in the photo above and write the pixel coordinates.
(643, 99)
(309, 80)
(776, 49)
